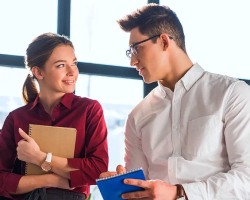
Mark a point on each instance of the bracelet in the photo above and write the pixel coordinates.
(181, 192)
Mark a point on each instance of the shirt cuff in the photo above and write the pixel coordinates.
(196, 190)
(76, 175)
(76, 179)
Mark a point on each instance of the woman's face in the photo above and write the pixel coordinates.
(60, 72)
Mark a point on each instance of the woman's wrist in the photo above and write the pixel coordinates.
(40, 158)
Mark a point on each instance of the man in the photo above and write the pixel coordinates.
(193, 129)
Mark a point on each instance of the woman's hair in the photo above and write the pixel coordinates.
(37, 54)
(153, 19)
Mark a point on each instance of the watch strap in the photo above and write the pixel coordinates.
(48, 157)
(181, 194)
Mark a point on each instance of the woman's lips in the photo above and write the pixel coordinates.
(69, 82)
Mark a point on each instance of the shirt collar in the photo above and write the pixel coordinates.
(192, 75)
(66, 101)
(165, 91)
(188, 80)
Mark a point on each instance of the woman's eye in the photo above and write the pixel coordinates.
(61, 65)
(75, 63)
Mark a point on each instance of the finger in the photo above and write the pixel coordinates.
(107, 174)
(120, 169)
(24, 135)
(137, 195)
(137, 182)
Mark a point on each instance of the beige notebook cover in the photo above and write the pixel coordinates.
(59, 141)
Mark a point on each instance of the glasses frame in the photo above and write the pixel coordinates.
(132, 46)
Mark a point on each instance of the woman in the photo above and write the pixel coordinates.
(52, 62)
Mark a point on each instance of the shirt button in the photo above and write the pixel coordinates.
(175, 101)
(175, 127)
(171, 170)
(53, 119)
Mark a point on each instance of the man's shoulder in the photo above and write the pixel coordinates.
(219, 78)
(218, 81)
(147, 105)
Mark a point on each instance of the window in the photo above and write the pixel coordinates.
(217, 34)
(95, 33)
(118, 97)
(22, 21)
(11, 81)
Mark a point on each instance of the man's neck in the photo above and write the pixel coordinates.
(180, 64)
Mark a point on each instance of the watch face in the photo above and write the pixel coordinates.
(46, 166)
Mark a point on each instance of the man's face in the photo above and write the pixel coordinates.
(150, 58)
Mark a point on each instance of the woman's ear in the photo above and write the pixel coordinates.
(37, 72)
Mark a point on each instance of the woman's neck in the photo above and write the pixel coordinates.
(49, 100)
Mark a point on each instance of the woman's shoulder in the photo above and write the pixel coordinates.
(85, 101)
(21, 109)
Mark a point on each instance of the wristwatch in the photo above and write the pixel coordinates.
(181, 195)
(46, 165)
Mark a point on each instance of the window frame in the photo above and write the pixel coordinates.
(63, 27)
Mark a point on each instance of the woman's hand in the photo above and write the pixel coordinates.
(28, 150)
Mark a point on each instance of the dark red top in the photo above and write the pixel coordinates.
(91, 150)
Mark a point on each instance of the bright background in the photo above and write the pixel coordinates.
(217, 37)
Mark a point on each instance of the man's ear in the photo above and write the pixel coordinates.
(165, 41)
(37, 72)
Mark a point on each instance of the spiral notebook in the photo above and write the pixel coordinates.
(113, 187)
(60, 141)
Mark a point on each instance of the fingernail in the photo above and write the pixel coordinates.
(20, 129)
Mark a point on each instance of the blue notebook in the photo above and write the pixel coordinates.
(113, 187)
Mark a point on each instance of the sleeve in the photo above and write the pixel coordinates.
(134, 156)
(8, 180)
(96, 150)
(235, 184)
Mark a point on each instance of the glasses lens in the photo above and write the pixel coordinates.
(128, 54)
(133, 51)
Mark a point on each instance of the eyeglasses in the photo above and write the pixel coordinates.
(132, 48)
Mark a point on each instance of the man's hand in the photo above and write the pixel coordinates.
(28, 150)
(154, 190)
(119, 170)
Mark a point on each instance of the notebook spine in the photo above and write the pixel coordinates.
(117, 175)
(26, 164)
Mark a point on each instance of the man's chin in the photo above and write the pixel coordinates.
(148, 81)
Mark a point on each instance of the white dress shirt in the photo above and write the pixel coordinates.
(197, 136)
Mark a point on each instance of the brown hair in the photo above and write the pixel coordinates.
(153, 19)
(37, 53)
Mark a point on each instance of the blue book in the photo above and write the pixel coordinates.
(113, 187)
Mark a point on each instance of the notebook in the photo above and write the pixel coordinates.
(113, 187)
(59, 141)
